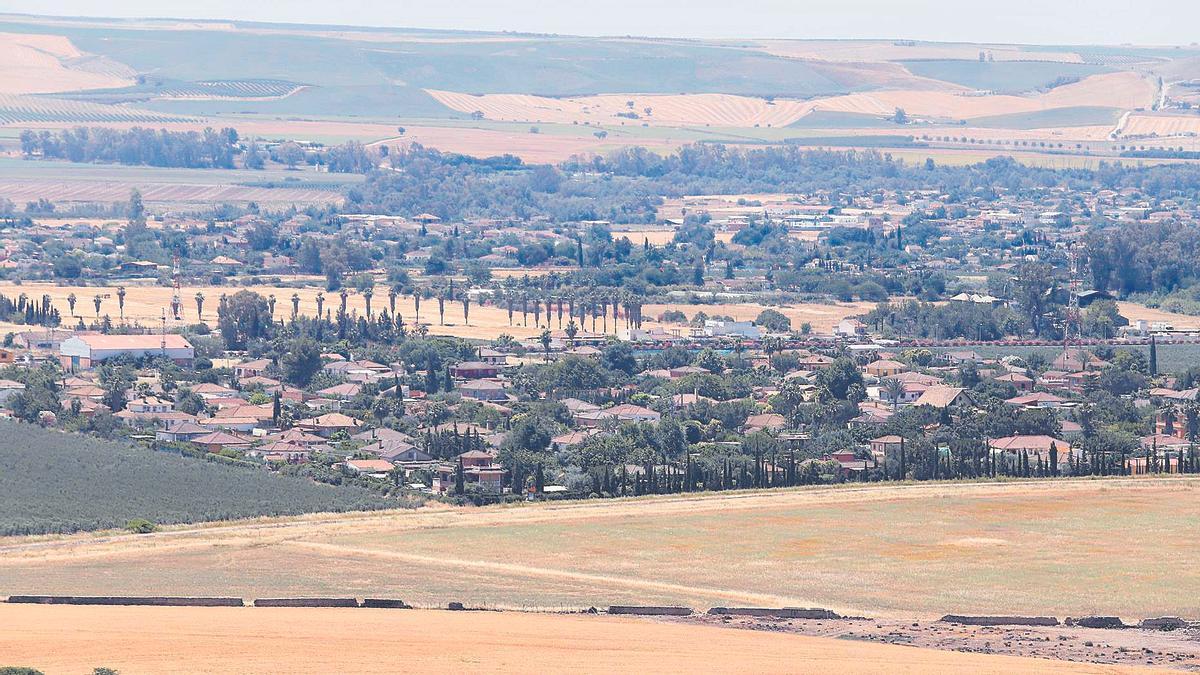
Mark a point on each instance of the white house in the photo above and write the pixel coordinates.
(742, 329)
(85, 351)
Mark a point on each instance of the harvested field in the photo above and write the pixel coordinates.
(65, 639)
(822, 317)
(157, 195)
(531, 147)
(37, 64)
(666, 110)
(1139, 125)
(1134, 311)
(145, 304)
(1124, 90)
(889, 551)
(656, 236)
(887, 50)
(1115, 90)
(64, 183)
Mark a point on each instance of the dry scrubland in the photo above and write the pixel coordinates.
(145, 304)
(1064, 548)
(64, 639)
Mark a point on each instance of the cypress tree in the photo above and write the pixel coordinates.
(1153, 357)
(539, 479)
(459, 480)
(1053, 459)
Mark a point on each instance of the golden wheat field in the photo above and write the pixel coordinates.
(167, 640)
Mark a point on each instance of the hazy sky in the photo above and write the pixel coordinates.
(1028, 21)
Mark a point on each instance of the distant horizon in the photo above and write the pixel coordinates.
(1025, 22)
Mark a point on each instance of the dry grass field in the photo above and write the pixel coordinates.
(1065, 548)
(1134, 311)
(822, 317)
(1162, 125)
(1124, 90)
(164, 640)
(196, 195)
(857, 51)
(145, 304)
(38, 64)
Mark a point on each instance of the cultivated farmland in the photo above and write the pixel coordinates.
(331, 640)
(66, 183)
(1055, 548)
(54, 482)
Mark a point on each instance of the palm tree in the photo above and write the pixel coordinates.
(271, 305)
(199, 306)
(894, 390)
(320, 305)
(441, 300)
(466, 303)
(392, 293)
(545, 340)
(367, 293)
(121, 301)
(572, 331)
(295, 305)
(71, 303)
(417, 305)
(344, 295)
(1191, 420)
(97, 300)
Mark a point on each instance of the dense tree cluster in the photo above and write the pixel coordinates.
(137, 146)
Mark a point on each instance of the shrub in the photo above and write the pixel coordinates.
(140, 526)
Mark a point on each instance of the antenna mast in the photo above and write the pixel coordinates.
(1073, 331)
(176, 300)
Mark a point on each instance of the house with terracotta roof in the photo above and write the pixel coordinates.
(764, 422)
(370, 467)
(1037, 446)
(884, 368)
(474, 370)
(484, 390)
(944, 398)
(251, 368)
(329, 424)
(280, 451)
(217, 441)
(1018, 381)
(1037, 399)
(479, 467)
